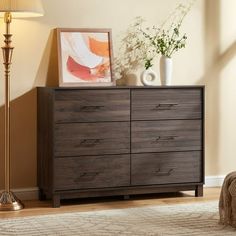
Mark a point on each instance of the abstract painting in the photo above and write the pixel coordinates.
(85, 57)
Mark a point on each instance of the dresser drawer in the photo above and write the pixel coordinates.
(91, 105)
(158, 104)
(166, 168)
(78, 139)
(92, 172)
(164, 136)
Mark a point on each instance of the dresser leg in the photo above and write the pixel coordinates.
(56, 201)
(42, 196)
(199, 191)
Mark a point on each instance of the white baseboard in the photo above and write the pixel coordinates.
(32, 193)
(214, 181)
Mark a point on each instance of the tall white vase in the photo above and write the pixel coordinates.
(166, 70)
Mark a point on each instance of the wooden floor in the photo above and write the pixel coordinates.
(33, 208)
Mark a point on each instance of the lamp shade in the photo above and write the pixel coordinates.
(21, 8)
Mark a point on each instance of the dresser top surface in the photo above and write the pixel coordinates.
(125, 87)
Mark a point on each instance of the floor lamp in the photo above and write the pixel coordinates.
(12, 9)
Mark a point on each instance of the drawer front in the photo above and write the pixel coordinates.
(91, 105)
(78, 139)
(157, 104)
(166, 168)
(92, 172)
(164, 136)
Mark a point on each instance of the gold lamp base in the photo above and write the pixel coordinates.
(9, 202)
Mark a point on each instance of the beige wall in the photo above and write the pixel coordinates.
(208, 59)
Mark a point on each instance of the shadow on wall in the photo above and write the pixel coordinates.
(23, 141)
(47, 74)
(24, 123)
(215, 62)
(1, 147)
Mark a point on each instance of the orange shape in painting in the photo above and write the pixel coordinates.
(99, 48)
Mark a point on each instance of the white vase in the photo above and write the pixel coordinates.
(166, 70)
(148, 77)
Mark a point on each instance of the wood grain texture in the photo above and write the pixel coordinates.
(166, 136)
(199, 191)
(92, 105)
(127, 190)
(166, 168)
(92, 172)
(78, 139)
(45, 141)
(86, 136)
(158, 104)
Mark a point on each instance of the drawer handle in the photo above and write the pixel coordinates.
(159, 173)
(90, 142)
(165, 138)
(91, 108)
(165, 106)
(88, 176)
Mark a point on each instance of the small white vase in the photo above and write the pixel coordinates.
(148, 77)
(166, 70)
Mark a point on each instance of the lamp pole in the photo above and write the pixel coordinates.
(8, 201)
(7, 55)
(9, 8)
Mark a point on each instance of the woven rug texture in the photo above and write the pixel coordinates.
(180, 219)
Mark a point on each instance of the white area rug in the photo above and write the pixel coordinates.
(183, 219)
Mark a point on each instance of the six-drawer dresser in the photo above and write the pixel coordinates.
(104, 141)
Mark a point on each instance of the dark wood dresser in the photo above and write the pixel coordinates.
(120, 141)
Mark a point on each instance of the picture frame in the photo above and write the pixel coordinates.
(85, 57)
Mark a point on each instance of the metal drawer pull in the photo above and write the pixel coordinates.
(90, 142)
(165, 106)
(91, 108)
(86, 174)
(166, 138)
(159, 173)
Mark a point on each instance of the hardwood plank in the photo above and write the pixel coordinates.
(36, 208)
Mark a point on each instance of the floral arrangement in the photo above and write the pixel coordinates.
(167, 39)
(134, 49)
(141, 45)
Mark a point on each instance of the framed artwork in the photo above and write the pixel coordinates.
(85, 57)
